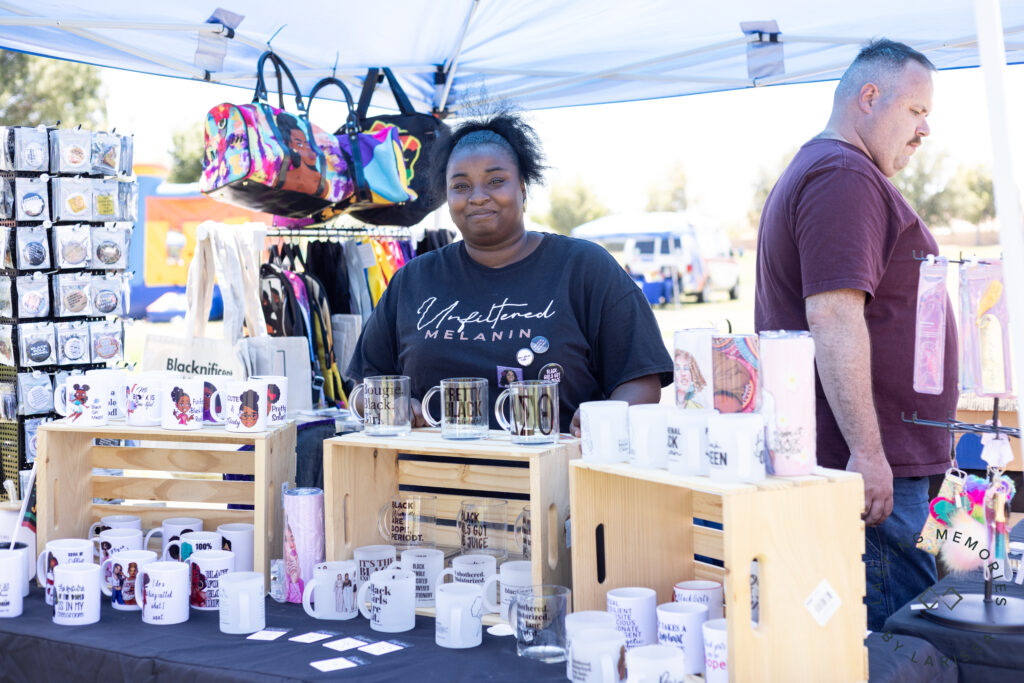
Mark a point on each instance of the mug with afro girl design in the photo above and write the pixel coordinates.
(276, 408)
(182, 404)
(244, 405)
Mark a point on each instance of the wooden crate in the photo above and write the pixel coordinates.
(633, 527)
(181, 463)
(361, 473)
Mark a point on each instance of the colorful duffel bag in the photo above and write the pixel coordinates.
(374, 158)
(267, 159)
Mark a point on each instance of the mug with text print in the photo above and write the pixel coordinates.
(58, 552)
(12, 583)
(116, 380)
(142, 398)
(385, 405)
(464, 408)
(182, 548)
(76, 590)
(392, 596)
(277, 399)
(206, 567)
(164, 592)
(534, 411)
(244, 406)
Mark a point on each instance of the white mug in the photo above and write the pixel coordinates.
(688, 441)
(116, 379)
(76, 589)
(707, 593)
(205, 569)
(171, 528)
(238, 538)
(213, 397)
(635, 616)
(82, 400)
(604, 431)
(597, 655)
(115, 522)
(372, 558)
(426, 564)
(242, 598)
(12, 583)
(244, 406)
(654, 664)
(459, 609)
(277, 399)
(716, 651)
(473, 568)
(121, 578)
(679, 625)
(112, 541)
(164, 592)
(57, 552)
(735, 452)
(182, 548)
(181, 404)
(29, 558)
(584, 620)
(331, 593)
(392, 595)
(143, 402)
(513, 576)
(648, 435)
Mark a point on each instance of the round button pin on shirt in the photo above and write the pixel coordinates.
(551, 372)
(539, 344)
(524, 356)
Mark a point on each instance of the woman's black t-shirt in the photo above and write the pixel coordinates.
(568, 309)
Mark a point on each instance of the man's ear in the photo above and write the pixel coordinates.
(868, 97)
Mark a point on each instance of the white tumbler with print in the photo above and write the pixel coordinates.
(303, 538)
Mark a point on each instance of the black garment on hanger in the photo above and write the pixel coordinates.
(326, 261)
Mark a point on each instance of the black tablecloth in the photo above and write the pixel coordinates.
(982, 657)
(121, 647)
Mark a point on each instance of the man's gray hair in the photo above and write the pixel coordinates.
(880, 62)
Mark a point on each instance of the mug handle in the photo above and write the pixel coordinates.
(357, 389)
(140, 588)
(307, 599)
(499, 411)
(385, 534)
(488, 604)
(425, 406)
(149, 535)
(218, 417)
(96, 549)
(167, 551)
(361, 599)
(41, 569)
(60, 400)
(93, 530)
(440, 578)
(105, 587)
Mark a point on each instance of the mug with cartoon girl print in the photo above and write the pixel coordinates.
(277, 399)
(244, 405)
(82, 400)
(182, 404)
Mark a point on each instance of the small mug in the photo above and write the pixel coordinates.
(143, 392)
(513, 577)
(588, 620)
(426, 564)
(76, 589)
(171, 528)
(244, 406)
(534, 411)
(164, 592)
(242, 598)
(238, 538)
(277, 399)
(190, 542)
(82, 401)
(331, 593)
(736, 445)
(386, 410)
(113, 541)
(12, 583)
(655, 663)
(459, 609)
(408, 520)
(121, 578)
(205, 569)
(701, 592)
(372, 558)
(392, 594)
(115, 522)
(716, 650)
(596, 655)
(28, 556)
(181, 404)
(679, 625)
(604, 431)
(635, 611)
(538, 615)
(464, 405)
(482, 526)
(473, 568)
(57, 552)
(116, 380)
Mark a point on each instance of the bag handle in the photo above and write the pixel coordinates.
(350, 129)
(261, 86)
(370, 83)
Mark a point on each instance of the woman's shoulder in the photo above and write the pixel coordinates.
(571, 247)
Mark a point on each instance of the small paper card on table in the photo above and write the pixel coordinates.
(381, 648)
(313, 637)
(346, 644)
(333, 664)
(269, 634)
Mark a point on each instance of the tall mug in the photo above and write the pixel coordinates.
(735, 451)
(648, 435)
(482, 525)
(604, 431)
(464, 407)
(386, 409)
(242, 602)
(538, 617)
(12, 583)
(534, 411)
(688, 441)
(238, 538)
(408, 520)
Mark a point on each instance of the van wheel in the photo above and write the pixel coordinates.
(734, 293)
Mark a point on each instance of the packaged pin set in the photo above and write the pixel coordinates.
(985, 367)
(930, 329)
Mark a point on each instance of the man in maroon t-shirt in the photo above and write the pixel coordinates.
(835, 256)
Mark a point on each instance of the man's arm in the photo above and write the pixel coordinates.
(843, 355)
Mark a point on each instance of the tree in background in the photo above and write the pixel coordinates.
(573, 204)
(766, 179)
(670, 194)
(187, 154)
(37, 90)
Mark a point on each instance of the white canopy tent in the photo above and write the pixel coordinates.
(460, 55)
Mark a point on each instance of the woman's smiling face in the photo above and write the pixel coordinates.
(485, 195)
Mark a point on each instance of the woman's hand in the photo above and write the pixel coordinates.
(574, 428)
(417, 414)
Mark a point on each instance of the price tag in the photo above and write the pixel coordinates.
(312, 637)
(269, 634)
(346, 644)
(381, 648)
(823, 602)
(333, 664)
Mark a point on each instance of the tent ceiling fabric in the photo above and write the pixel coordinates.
(532, 53)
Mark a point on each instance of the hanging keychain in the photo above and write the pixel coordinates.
(942, 508)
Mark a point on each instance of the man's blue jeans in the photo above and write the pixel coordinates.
(897, 572)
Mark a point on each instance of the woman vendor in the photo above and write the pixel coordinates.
(506, 304)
